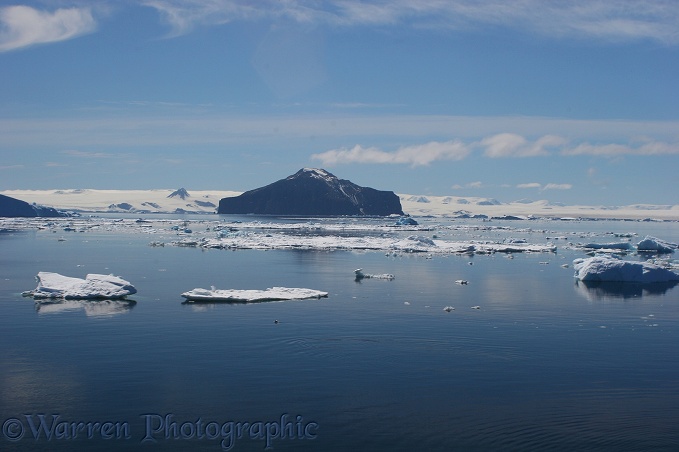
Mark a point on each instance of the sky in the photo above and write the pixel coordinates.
(571, 101)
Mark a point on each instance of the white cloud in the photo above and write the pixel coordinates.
(89, 155)
(622, 20)
(23, 26)
(476, 184)
(514, 145)
(557, 187)
(614, 149)
(550, 186)
(416, 155)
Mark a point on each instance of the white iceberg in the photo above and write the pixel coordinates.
(602, 268)
(652, 244)
(360, 275)
(94, 286)
(235, 295)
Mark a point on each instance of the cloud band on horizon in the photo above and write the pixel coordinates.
(503, 145)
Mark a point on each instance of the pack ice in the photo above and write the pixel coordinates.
(94, 286)
(604, 268)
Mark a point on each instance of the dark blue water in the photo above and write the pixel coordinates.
(544, 364)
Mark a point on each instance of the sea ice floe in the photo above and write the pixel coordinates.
(360, 275)
(449, 308)
(235, 295)
(602, 268)
(94, 286)
(652, 244)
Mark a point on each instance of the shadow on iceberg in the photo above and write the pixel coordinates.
(92, 308)
(606, 290)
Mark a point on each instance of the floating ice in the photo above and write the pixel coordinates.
(462, 282)
(406, 221)
(234, 295)
(652, 244)
(449, 308)
(609, 246)
(94, 286)
(360, 275)
(602, 268)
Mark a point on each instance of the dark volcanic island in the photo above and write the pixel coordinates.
(11, 207)
(312, 192)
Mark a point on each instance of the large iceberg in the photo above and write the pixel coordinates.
(234, 295)
(94, 286)
(602, 268)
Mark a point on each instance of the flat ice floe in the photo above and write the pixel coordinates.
(410, 244)
(248, 296)
(94, 286)
(601, 268)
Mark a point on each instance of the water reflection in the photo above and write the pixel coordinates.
(606, 290)
(92, 308)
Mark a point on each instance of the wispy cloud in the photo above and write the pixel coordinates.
(513, 145)
(23, 26)
(89, 155)
(416, 155)
(613, 149)
(550, 186)
(529, 185)
(475, 184)
(503, 145)
(557, 187)
(622, 20)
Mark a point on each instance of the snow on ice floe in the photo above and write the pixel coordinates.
(234, 295)
(602, 268)
(94, 286)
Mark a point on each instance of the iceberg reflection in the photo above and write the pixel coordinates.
(609, 290)
(92, 308)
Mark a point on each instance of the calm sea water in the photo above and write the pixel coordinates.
(543, 364)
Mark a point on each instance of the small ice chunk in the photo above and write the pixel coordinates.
(406, 221)
(449, 308)
(461, 282)
(360, 275)
(476, 307)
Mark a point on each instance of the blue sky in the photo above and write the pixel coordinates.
(571, 101)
